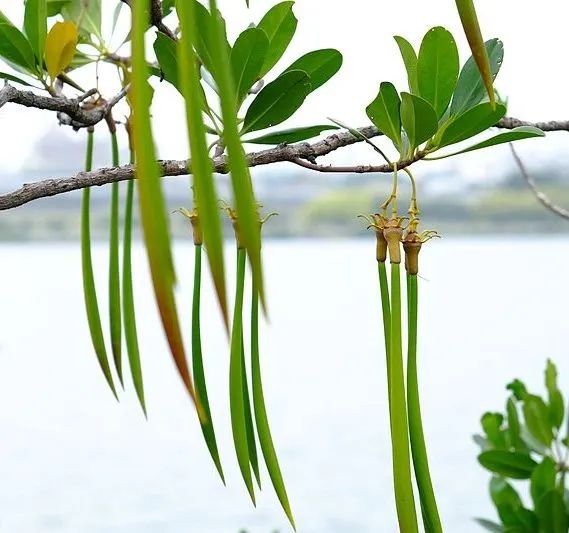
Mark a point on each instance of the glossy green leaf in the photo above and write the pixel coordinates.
(54, 7)
(277, 101)
(437, 68)
(410, 60)
(87, 15)
(320, 65)
(15, 79)
(471, 123)
(129, 314)
(469, 19)
(537, 420)
(261, 418)
(517, 134)
(198, 365)
(488, 525)
(418, 118)
(553, 515)
(165, 50)
(247, 57)
(114, 271)
(35, 26)
(470, 88)
(291, 135)
(89, 288)
(153, 211)
(510, 464)
(279, 23)
(205, 193)
(168, 7)
(14, 47)
(204, 39)
(542, 480)
(384, 112)
(556, 404)
(236, 380)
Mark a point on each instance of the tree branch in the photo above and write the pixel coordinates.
(304, 154)
(71, 111)
(541, 196)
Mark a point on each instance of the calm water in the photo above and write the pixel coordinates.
(73, 460)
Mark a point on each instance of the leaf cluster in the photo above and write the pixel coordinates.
(529, 442)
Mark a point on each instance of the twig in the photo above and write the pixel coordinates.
(70, 110)
(541, 196)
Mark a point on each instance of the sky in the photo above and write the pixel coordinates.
(533, 77)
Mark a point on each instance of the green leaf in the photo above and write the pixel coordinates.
(384, 112)
(492, 425)
(35, 26)
(553, 516)
(114, 271)
(418, 118)
(518, 389)
(437, 68)
(89, 288)
(116, 15)
(165, 50)
(87, 15)
(279, 23)
(537, 420)
(542, 480)
(471, 123)
(129, 314)
(470, 88)
(277, 101)
(153, 213)
(410, 60)
(469, 20)
(514, 429)
(506, 500)
(261, 418)
(247, 57)
(291, 135)
(556, 402)
(14, 47)
(244, 197)
(488, 525)
(320, 65)
(15, 79)
(198, 366)
(167, 7)
(517, 134)
(205, 193)
(54, 7)
(515, 465)
(236, 381)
